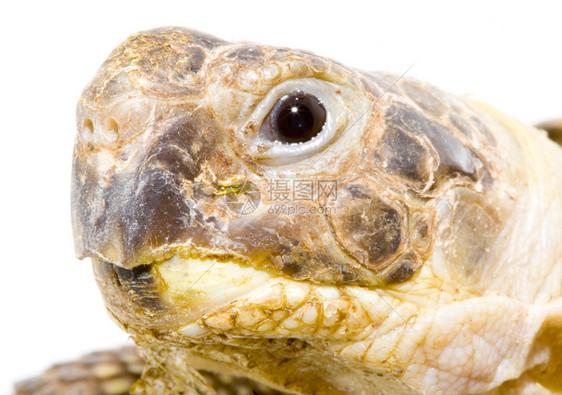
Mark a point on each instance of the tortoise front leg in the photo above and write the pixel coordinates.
(123, 371)
(100, 373)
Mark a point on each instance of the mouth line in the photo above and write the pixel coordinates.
(190, 286)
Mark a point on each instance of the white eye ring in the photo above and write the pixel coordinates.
(330, 95)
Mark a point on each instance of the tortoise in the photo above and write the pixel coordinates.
(266, 220)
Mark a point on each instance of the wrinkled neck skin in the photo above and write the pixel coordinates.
(525, 259)
(510, 244)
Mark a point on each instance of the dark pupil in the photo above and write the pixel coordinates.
(298, 117)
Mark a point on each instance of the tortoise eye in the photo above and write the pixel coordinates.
(300, 117)
(297, 117)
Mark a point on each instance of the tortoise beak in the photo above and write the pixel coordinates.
(137, 203)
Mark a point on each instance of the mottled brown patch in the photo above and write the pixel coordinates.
(295, 269)
(366, 226)
(404, 156)
(277, 243)
(404, 270)
(455, 159)
(166, 61)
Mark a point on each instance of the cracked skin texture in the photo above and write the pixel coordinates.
(435, 268)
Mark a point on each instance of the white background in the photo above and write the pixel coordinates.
(506, 54)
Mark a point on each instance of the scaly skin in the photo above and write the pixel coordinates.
(434, 267)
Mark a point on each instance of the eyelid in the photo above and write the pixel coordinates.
(275, 152)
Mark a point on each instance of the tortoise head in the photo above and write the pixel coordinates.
(232, 191)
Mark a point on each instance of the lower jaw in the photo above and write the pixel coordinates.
(173, 293)
(185, 299)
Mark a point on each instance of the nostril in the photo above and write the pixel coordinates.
(87, 128)
(111, 129)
